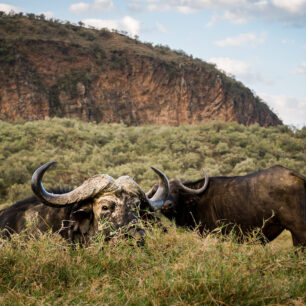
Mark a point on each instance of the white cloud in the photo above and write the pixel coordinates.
(128, 24)
(292, 6)
(185, 9)
(235, 18)
(289, 12)
(301, 69)
(288, 42)
(8, 8)
(232, 66)
(161, 8)
(212, 21)
(80, 8)
(135, 7)
(230, 16)
(239, 69)
(96, 6)
(242, 39)
(48, 14)
(291, 110)
(161, 28)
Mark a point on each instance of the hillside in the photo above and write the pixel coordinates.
(49, 69)
(84, 149)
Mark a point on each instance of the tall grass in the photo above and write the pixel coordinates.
(174, 268)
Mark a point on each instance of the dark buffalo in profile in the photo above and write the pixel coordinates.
(101, 203)
(271, 200)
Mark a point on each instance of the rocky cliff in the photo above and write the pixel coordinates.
(53, 69)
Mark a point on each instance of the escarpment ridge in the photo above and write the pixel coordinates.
(50, 68)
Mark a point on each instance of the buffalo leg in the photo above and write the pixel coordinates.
(298, 231)
(299, 237)
(270, 232)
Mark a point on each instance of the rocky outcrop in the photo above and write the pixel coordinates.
(113, 78)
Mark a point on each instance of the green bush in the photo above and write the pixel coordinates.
(84, 149)
(222, 148)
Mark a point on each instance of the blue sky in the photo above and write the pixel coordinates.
(262, 43)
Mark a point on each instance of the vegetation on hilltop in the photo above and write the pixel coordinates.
(105, 43)
(44, 61)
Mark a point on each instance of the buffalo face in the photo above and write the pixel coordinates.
(120, 210)
(183, 198)
(101, 203)
(108, 214)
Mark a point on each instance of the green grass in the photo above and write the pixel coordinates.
(174, 268)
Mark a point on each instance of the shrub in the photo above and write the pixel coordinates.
(84, 149)
(222, 148)
(244, 167)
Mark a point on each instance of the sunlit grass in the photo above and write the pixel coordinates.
(174, 268)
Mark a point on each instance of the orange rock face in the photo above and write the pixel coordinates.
(49, 78)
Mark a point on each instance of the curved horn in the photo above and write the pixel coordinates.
(197, 191)
(162, 192)
(89, 188)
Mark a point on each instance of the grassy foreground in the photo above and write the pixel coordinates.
(173, 268)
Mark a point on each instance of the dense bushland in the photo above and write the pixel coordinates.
(84, 149)
(174, 268)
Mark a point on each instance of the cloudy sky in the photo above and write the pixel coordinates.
(262, 43)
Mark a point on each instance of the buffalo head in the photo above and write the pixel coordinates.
(100, 203)
(182, 197)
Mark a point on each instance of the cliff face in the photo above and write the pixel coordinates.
(51, 69)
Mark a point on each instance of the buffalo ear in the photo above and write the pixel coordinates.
(82, 220)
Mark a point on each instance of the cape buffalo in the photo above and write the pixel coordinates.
(77, 215)
(272, 200)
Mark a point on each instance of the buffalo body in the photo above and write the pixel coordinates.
(272, 200)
